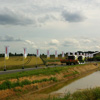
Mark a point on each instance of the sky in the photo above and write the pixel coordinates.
(62, 25)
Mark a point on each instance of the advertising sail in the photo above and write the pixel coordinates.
(73, 53)
(80, 54)
(63, 54)
(38, 53)
(77, 53)
(68, 53)
(56, 55)
(6, 52)
(48, 54)
(25, 53)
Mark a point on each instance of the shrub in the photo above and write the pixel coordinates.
(44, 80)
(26, 82)
(35, 81)
(6, 84)
(18, 83)
(53, 79)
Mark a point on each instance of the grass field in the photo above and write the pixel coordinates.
(18, 62)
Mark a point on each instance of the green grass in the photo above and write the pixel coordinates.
(74, 73)
(46, 71)
(89, 94)
(8, 84)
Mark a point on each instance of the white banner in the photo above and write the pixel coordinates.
(38, 53)
(73, 53)
(56, 55)
(6, 52)
(68, 53)
(25, 53)
(77, 53)
(48, 54)
(80, 54)
(63, 54)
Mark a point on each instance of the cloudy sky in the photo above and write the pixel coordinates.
(63, 25)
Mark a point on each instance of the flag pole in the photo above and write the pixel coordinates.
(6, 56)
(24, 56)
(36, 61)
(36, 57)
(23, 63)
(4, 64)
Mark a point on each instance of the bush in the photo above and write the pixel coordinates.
(6, 84)
(53, 79)
(44, 80)
(17, 84)
(26, 82)
(35, 81)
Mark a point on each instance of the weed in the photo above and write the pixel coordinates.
(75, 72)
(17, 90)
(53, 79)
(6, 84)
(18, 94)
(26, 82)
(37, 87)
(18, 83)
(90, 94)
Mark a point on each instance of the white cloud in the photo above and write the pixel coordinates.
(70, 42)
(85, 40)
(23, 18)
(84, 44)
(31, 43)
(97, 47)
(8, 38)
(54, 42)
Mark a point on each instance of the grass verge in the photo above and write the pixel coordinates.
(8, 84)
(89, 94)
(46, 71)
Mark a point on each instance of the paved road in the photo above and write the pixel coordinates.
(17, 70)
(28, 69)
